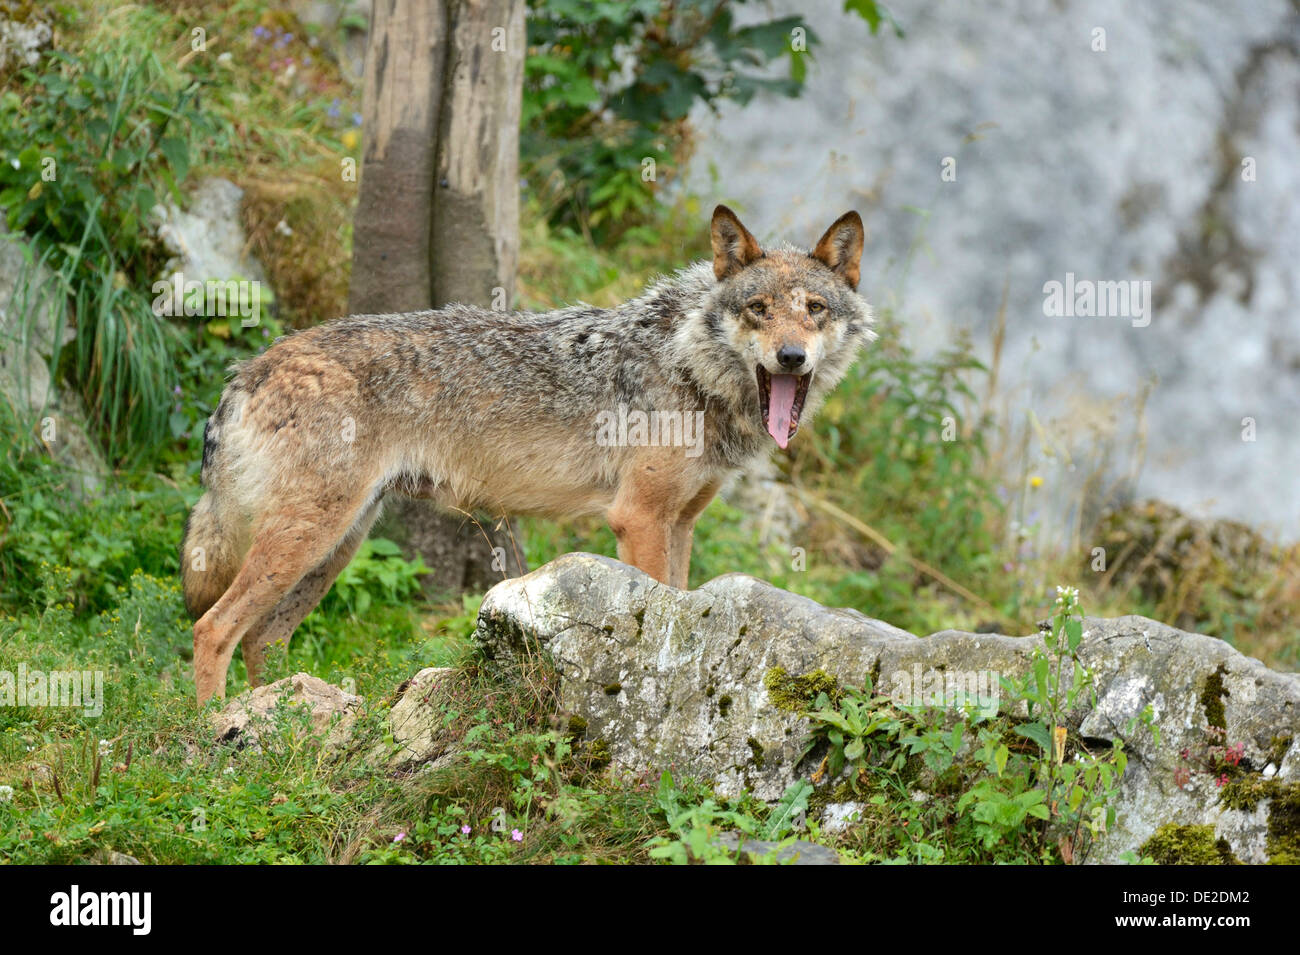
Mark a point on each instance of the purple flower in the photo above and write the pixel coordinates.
(399, 837)
(516, 835)
(261, 32)
(465, 830)
(334, 110)
(176, 390)
(356, 119)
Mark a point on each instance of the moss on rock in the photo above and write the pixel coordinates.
(1188, 845)
(1283, 840)
(1212, 699)
(796, 694)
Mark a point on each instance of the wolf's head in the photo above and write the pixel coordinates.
(793, 319)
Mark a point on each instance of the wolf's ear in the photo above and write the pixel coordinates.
(733, 246)
(840, 249)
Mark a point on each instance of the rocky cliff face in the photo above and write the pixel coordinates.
(1160, 149)
(712, 682)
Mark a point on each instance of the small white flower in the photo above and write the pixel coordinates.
(6, 793)
(105, 747)
(283, 228)
(228, 771)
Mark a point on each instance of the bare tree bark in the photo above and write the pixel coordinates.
(438, 216)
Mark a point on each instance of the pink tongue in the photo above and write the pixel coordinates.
(780, 407)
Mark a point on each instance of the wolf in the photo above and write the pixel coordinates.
(492, 410)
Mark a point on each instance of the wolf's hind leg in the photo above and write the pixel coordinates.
(287, 545)
(280, 623)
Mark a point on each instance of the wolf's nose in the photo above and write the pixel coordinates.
(790, 356)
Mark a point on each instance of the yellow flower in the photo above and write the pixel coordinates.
(1035, 481)
(350, 139)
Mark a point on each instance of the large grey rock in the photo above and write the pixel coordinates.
(678, 679)
(1122, 164)
(31, 302)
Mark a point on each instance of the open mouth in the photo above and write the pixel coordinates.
(781, 398)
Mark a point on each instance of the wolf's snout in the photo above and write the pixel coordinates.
(791, 357)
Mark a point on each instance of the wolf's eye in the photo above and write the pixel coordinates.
(758, 308)
(815, 307)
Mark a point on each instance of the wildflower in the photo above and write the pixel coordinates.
(516, 835)
(356, 119)
(6, 793)
(399, 837)
(465, 830)
(1035, 481)
(333, 111)
(261, 32)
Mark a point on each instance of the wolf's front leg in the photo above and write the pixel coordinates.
(683, 533)
(644, 539)
(679, 554)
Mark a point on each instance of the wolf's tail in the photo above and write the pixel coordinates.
(210, 556)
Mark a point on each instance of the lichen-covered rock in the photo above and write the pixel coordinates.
(711, 682)
(304, 703)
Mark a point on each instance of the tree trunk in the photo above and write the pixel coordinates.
(438, 216)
